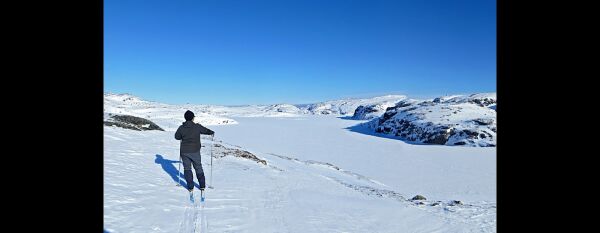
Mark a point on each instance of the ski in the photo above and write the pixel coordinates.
(192, 196)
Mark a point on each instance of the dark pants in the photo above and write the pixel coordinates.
(190, 159)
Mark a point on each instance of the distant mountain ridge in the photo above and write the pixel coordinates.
(468, 120)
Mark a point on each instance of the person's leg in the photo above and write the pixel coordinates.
(187, 170)
(197, 162)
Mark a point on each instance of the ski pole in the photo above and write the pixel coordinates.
(212, 139)
(179, 172)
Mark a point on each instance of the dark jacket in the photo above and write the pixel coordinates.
(189, 134)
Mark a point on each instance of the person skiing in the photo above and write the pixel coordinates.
(189, 150)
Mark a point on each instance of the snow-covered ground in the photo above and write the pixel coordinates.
(436, 171)
(323, 174)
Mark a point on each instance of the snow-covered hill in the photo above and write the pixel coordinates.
(348, 106)
(367, 112)
(167, 116)
(449, 120)
(130, 122)
(283, 108)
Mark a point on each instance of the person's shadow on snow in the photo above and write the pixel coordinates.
(171, 169)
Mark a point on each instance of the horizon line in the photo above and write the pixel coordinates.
(370, 96)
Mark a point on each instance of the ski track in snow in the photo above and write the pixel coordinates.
(330, 166)
(464, 212)
(194, 219)
(189, 219)
(287, 195)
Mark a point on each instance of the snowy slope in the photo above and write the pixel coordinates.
(283, 108)
(367, 112)
(450, 120)
(129, 122)
(168, 117)
(347, 106)
(295, 191)
(275, 110)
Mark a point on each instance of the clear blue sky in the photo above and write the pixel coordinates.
(297, 51)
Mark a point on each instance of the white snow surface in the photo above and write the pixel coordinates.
(322, 175)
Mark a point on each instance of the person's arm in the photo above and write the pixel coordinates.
(178, 134)
(204, 130)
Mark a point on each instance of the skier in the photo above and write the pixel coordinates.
(189, 134)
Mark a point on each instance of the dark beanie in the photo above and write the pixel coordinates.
(189, 115)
